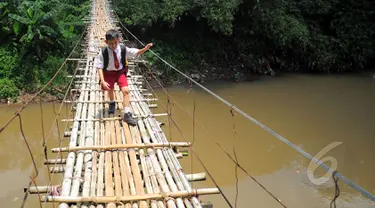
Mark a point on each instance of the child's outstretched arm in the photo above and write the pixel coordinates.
(141, 51)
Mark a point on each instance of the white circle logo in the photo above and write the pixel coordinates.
(313, 165)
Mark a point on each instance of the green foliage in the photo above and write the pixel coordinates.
(49, 68)
(36, 36)
(291, 35)
(8, 61)
(8, 89)
(145, 13)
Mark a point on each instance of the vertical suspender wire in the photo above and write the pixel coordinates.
(235, 156)
(43, 136)
(192, 144)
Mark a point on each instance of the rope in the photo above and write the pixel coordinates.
(337, 190)
(295, 147)
(235, 156)
(192, 144)
(43, 135)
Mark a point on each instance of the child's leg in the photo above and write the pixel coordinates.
(109, 78)
(123, 84)
(126, 99)
(111, 95)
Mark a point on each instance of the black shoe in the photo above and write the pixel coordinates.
(128, 118)
(112, 107)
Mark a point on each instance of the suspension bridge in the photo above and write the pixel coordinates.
(111, 164)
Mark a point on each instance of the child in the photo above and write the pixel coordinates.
(115, 71)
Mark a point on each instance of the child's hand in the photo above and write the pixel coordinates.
(148, 46)
(105, 85)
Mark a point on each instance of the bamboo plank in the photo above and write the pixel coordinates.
(89, 140)
(134, 164)
(111, 119)
(67, 181)
(108, 199)
(177, 166)
(95, 155)
(126, 157)
(116, 168)
(108, 159)
(122, 146)
(124, 179)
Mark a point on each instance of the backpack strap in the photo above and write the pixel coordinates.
(105, 58)
(123, 58)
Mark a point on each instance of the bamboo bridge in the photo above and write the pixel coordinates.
(109, 163)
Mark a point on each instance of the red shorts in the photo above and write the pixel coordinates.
(115, 76)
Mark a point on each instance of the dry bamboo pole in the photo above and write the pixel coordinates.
(176, 164)
(109, 199)
(167, 182)
(116, 101)
(134, 165)
(124, 179)
(54, 161)
(138, 96)
(151, 182)
(89, 140)
(137, 139)
(108, 158)
(67, 133)
(121, 146)
(67, 181)
(38, 189)
(116, 168)
(78, 166)
(100, 187)
(133, 105)
(79, 163)
(164, 160)
(165, 154)
(95, 154)
(167, 174)
(136, 105)
(127, 164)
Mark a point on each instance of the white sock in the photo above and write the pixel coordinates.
(127, 109)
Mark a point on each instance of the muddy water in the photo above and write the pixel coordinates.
(310, 111)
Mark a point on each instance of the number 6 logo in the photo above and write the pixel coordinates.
(312, 165)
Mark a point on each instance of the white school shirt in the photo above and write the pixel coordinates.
(130, 53)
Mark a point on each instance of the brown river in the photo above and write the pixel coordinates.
(312, 112)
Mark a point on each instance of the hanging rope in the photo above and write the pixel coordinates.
(43, 135)
(192, 144)
(32, 159)
(337, 190)
(235, 156)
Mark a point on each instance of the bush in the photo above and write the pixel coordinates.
(8, 61)
(8, 89)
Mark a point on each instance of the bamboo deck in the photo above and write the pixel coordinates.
(111, 164)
